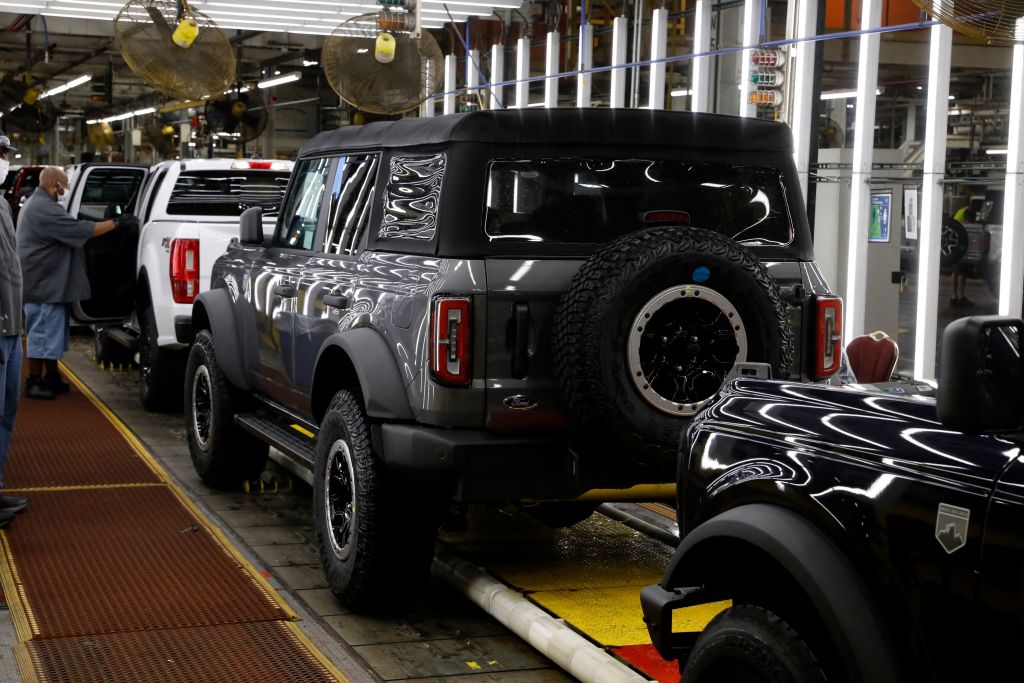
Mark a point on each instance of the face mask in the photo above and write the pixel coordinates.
(5, 167)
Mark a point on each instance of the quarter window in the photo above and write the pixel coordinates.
(351, 200)
(301, 212)
(412, 197)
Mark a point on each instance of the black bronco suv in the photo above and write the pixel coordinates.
(515, 307)
(862, 536)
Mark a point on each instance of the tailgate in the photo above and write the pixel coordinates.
(521, 298)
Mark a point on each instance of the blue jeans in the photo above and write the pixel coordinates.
(10, 391)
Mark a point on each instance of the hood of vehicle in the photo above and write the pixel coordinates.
(827, 427)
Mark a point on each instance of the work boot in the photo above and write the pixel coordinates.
(12, 504)
(56, 384)
(36, 388)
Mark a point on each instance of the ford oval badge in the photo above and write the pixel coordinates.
(519, 402)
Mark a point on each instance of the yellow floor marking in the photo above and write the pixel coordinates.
(302, 430)
(472, 665)
(610, 616)
(695, 619)
(25, 665)
(87, 487)
(21, 613)
(261, 582)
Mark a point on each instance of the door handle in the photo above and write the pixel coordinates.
(285, 291)
(336, 300)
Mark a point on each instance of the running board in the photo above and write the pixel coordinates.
(122, 337)
(296, 443)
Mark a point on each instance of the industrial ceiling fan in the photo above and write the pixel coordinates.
(997, 22)
(176, 49)
(22, 107)
(383, 62)
(238, 115)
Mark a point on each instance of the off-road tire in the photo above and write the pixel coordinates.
(750, 644)
(954, 242)
(227, 455)
(595, 316)
(109, 353)
(384, 559)
(161, 371)
(562, 515)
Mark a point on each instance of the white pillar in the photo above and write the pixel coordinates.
(586, 62)
(930, 226)
(473, 76)
(701, 75)
(1011, 273)
(751, 36)
(802, 72)
(617, 96)
(450, 70)
(860, 188)
(659, 50)
(427, 106)
(522, 72)
(550, 69)
(497, 76)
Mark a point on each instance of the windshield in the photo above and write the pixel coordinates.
(580, 201)
(227, 193)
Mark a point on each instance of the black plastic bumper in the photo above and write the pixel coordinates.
(658, 604)
(183, 329)
(486, 466)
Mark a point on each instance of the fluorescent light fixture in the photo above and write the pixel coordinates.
(67, 86)
(680, 93)
(842, 94)
(91, 122)
(996, 152)
(143, 112)
(287, 78)
(952, 97)
(244, 88)
(309, 62)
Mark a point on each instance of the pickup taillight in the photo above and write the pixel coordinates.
(184, 270)
(828, 345)
(450, 340)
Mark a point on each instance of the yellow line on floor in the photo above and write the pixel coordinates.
(86, 487)
(25, 625)
(26, 666)
(257, 577)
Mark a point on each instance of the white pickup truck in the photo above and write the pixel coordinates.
(143, 284)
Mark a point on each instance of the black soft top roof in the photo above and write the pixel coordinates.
(597, 127)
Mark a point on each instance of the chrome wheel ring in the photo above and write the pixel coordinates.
(202, 406)
(340, 499)
(692, 346)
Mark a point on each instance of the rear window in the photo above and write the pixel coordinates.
(227, 193)
(594, 201)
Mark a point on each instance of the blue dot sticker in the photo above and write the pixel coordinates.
(701, 274)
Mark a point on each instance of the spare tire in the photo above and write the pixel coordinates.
(953, 243)
(653, 323)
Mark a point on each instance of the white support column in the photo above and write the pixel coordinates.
(802, 70)
(427, 106)
(586, 62)
(659, 50)
(550, 69)
(617, 96)
(497, 76)
(930, 226)
(473, 76)
(701, 74)
(450, 70)
(1011, 273)
(860, 188)
(522, 73)
(751, 36)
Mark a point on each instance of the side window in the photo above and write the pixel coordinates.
(351, 200)
(301, 212)
(110, 192)
(412, 197)
(152, 187)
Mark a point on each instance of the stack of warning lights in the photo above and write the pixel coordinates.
(767, 78)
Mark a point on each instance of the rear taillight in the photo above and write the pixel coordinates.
(184, 270)
(450, 340)
(828, 346)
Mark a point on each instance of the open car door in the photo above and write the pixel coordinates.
(103, 192)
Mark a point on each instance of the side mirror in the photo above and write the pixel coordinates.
(251, 226)
(981, 383)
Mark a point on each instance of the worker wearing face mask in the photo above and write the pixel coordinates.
(50, 247)
(10, 335)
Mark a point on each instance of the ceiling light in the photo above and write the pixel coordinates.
(67, 86)
(996, 152)
(287, 78)
(143, 112)
(952, 97)
(842, 94)
(309, 62)
(680, 93)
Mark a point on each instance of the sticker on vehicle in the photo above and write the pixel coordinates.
(951, 526)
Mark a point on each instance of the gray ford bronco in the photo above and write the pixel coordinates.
(515, 307)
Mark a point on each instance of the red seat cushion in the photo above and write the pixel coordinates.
(872, 359)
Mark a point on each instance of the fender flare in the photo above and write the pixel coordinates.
(818, 566)
(379, 378)
(215, 308)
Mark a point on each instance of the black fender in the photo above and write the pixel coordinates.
(213, 310)
(375, 369)
(841, 599)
